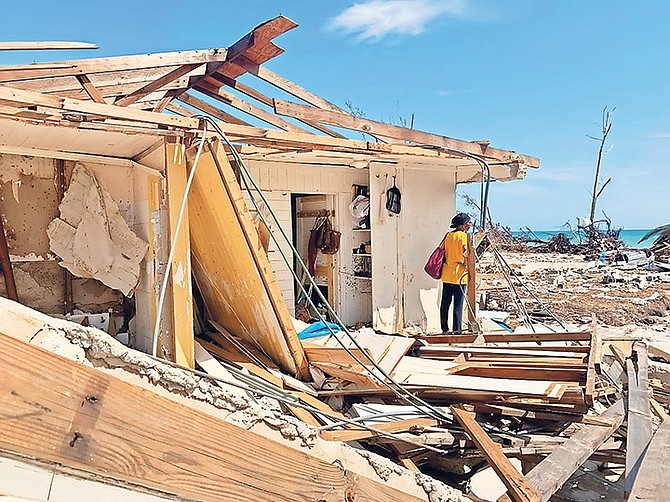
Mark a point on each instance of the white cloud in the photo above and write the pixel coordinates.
(373, 20)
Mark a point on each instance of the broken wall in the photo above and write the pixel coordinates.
(29, 200)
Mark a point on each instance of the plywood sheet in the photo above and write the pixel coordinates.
(232, 269)
(431, 373)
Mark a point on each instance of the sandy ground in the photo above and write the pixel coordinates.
(626, 300)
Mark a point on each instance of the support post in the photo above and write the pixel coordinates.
(180, 271)
(472, 286)
(6, 264)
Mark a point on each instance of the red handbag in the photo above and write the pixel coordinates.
(434, 264)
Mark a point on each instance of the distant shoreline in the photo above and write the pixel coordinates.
(629, 237)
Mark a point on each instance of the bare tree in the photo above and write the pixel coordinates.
(606, 127)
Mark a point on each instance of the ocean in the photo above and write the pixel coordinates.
(629, 237)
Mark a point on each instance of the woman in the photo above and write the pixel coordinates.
(454, 271)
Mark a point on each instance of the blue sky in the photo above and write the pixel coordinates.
(531, 76)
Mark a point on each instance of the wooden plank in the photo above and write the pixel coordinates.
(336, 355)
(518, 487)
(209, 89)
(658, 410)
(409, 424)
(253, 93)
(438, 375)
(29, 98)
(155, 85)
(111, 64)
(652, 478)
(639, 431)
(509, 337)
(90, 89)
(6, 265)
(286, 85)
(181, 291)
(550, 474)
(61, 411)
(232, 270)
(543, 352)
(347, 121)
(44, 46)
(210, 109)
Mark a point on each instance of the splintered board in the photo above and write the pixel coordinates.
(57, 410)
(231, 267)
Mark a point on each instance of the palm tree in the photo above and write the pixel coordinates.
(662, 235)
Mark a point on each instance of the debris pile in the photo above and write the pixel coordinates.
(619, 292)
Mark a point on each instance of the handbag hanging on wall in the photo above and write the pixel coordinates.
(393, 199)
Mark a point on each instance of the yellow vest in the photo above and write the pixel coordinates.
(455, 245)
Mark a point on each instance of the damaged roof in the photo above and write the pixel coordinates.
(163, 93)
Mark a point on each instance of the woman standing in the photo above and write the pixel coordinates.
(454, 271)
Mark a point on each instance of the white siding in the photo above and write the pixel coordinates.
(278, 181)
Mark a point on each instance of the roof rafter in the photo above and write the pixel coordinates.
(90, 89)
(348, 121)
(210, 109)
(258, 96)
(158, 83)
(207, 88)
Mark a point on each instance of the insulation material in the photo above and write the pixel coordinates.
(92, 238)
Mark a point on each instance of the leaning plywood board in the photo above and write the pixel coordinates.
(231, 268)
(57, 410)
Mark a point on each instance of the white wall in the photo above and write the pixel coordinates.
(403, 294)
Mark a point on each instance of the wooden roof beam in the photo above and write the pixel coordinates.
(27, 98)
(258, 96)
(286, 85)
(43, 46)
(90, 89)
(225, 97)
(392, 132)
(205, 107)
(112, 64)
(157, 84)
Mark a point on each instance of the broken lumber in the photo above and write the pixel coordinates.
(61, 411)
(652, 478)
(639, 429)
(408, 424)
(550, 474)
(517, 486)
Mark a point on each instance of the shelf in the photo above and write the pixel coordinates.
(362, 254)
(360, 229)
(362, 277)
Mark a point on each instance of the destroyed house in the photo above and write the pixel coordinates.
(140, 197)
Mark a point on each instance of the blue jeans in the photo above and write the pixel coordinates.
(457, 293)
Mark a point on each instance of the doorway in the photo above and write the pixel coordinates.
(309, 210)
